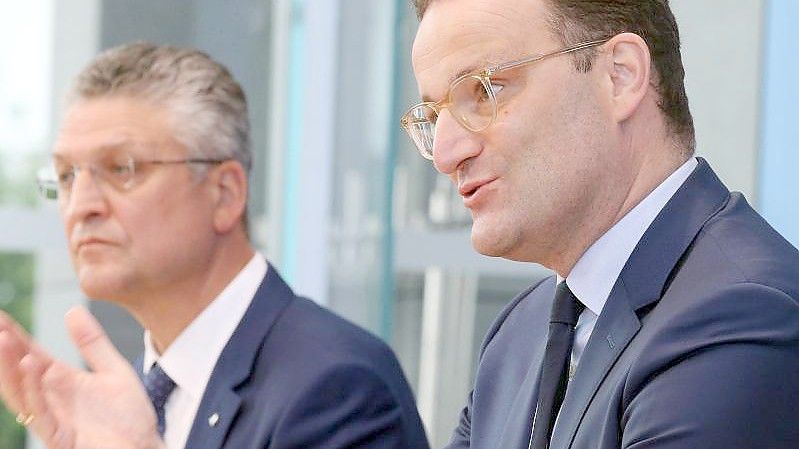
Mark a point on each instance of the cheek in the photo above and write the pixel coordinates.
(134, 230)
(145, 217)
(179, 219)
(66, 221)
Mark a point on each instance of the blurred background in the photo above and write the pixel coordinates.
(341, 202)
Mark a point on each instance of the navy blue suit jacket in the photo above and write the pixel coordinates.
(294, 375)
(697, 346)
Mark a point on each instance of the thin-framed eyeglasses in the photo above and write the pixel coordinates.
(119, 170)
(471, 100)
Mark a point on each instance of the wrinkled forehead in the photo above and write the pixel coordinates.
(460, 36)
(92, 128)
(111, 147)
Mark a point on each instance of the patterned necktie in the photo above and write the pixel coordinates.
(555, 368)
(159, 386)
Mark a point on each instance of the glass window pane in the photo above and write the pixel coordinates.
(25, 104)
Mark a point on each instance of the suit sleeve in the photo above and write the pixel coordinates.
(461, 437)
(729, 380)
(349, 406)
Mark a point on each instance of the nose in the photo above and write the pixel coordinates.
(453, 144)
(85, 199)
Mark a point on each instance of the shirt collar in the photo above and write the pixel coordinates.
(594, 275)
(190, 359)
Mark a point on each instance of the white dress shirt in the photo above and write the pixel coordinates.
(594, 275)
(190, 359)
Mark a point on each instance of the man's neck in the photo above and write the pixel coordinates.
(653, 170)
(167, 312)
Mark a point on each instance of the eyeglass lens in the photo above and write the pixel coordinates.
(114, 168)
(470, 102)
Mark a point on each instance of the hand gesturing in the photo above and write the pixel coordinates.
(71, 408)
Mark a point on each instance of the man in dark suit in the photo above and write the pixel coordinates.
(150, 172)
(672, 321)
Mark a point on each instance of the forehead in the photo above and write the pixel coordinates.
(458, 36)
(97, 125)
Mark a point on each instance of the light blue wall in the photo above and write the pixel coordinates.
(779, 166)
(291, 175)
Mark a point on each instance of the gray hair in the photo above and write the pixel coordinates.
(209, 107)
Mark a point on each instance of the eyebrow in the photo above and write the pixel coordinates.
(468, 69)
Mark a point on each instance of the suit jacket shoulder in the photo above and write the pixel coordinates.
(520, 302)
(296, 375)
(697, 346)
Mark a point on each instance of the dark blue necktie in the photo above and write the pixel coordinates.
(159, 386)
(555, 369)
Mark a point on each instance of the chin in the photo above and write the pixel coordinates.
(93, 290)
(507, 242)
(100, 283)
(491, 240)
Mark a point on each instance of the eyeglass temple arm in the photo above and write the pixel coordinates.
(185, 161)
(509, 65)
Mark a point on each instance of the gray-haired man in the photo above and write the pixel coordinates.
(150, 172)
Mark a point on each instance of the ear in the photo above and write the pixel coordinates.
(630, 71)
(229, 184)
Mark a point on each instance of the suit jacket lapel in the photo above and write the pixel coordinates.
(221, 402)
(614, 330)
(642, 282)
(518, 427)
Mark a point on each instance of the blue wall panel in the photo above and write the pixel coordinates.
(779, 167)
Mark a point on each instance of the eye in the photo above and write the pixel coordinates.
(65, 175)
(481, 94)
(119, 169)
(496, 87)
(117, 173)
(118, 166)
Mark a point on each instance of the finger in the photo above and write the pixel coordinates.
(44, 423)
(18, 340)
(15, 343)
(9, 324)
(92, 342)
(60, 386)
(11, 352)
(18, 335)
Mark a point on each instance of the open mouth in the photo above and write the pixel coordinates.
(470, 190)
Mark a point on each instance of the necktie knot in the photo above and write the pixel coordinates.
(566, 308)
(159, 386)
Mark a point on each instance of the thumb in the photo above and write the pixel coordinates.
(92, 341)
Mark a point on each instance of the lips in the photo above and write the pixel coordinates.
(469, 190)
(90, 241)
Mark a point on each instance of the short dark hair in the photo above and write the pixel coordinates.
(584, 20)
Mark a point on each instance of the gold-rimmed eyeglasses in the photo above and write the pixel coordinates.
(471, 99)
(118, 170)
